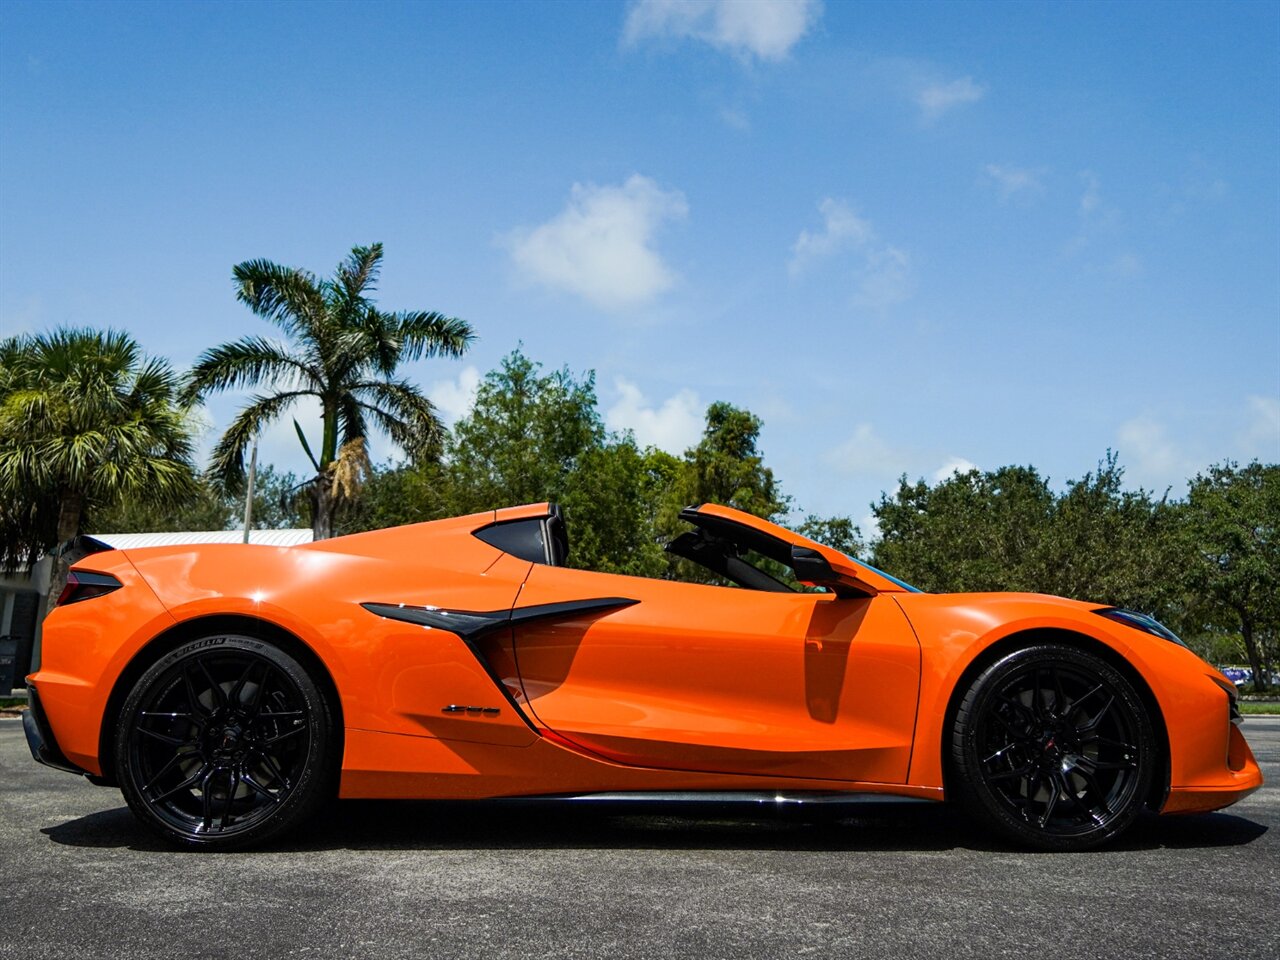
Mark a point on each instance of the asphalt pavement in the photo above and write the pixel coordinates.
(79, 877)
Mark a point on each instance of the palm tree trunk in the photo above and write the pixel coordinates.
(70, 509)
(322, 504)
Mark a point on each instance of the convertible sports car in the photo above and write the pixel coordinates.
(229, 690)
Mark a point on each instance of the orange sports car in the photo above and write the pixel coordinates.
(229, 690)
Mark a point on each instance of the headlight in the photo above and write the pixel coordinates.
(1141, 621)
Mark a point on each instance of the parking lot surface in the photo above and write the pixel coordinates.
(81, 878)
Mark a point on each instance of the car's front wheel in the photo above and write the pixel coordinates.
(225, 742)
(1053, 747)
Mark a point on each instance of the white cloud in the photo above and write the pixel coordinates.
(1261, 436)
(841, 227)
(454, 397)
(883, 271)
(600, 247)
(865, 452)
(869, 527)
(1148, 455)
(1126, 265)
(736, 118)
(935, 99)
(1015, 182)
(1091, 198)
(885, 278)
(674, 426)
(953, 466)
(767, 29)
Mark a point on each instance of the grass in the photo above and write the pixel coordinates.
(1255, 707)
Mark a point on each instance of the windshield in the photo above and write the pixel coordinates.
(889, 576)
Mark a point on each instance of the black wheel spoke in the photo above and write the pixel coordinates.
(1097, 717)
(184, 785)
(1061, 705)
(206, 800)
(192, 696)
(258, 788)
(1054, 792)
(1108, 742)
(1017, 774)
(219, 742)
(165, 738)
(1055, 748)
(234, 785)
(1018, 707)
(172, 762)
(999, 753)
(215, 688)
(237, 691)
(274, 767)
(1037, 696)
(272, 741)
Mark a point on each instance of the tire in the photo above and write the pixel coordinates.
(224, 743)
(1053, 748)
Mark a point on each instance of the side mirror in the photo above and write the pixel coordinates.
(812, 567)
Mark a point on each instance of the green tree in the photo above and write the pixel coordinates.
(85, 419)
(970, 532)
(525, 436)
(396, 494)
(727, 467)
(1233, 554)
(612, 498)
(344, 352)
(534, 435)
(1111, 545)
(277, 504)
(838, 533)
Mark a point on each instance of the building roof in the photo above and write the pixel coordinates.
(270, 538)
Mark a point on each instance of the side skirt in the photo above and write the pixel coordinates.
(775, 798)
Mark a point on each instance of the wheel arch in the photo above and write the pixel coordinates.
(169, 640)
(1026, 638)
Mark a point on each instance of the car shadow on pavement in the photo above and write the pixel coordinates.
(518, 825)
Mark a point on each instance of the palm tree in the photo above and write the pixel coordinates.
(344, 352)
(85, 420)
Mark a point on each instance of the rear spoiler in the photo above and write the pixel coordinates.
(79, 547)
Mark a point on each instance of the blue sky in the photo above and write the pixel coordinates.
(908, 236)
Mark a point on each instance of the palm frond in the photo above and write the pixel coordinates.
(351, 423)
(407, 416)
(246, 363)
(286, 296)
(370, 340)
(430, 334)
(306, 447)
(226, 463)
(358, 273)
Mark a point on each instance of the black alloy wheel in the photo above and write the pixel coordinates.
(225, 742)
(1052, 746)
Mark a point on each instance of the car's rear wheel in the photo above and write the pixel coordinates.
(225, 742)
(1053, 747)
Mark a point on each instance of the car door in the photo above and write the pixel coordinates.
(722, 679)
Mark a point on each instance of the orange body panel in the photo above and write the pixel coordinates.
(783, 684)
(661, 686)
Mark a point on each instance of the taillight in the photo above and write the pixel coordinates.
(82, 585)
